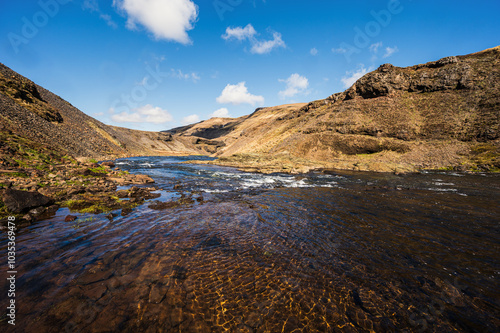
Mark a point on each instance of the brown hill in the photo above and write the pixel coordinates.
(443, 114)
(30, 113)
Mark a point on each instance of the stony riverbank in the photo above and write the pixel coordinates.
(32, 193)
(481, 158)
(36, 181)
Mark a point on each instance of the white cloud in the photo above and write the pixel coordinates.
(238, 94)
(374, 47)
(191, 119)
(340, 50)
(143, 114)
(390, 51)
(109, 20)
(185, 76)
(266, 46)
(98, 114)
(352, 76)
(249, 33)
(294, 84)
(221, 113)
(93, 6)
(240, 33)
(166, 19)
(314, 51)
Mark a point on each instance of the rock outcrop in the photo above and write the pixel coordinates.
(22, 201)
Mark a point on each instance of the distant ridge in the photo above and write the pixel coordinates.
(443, 114)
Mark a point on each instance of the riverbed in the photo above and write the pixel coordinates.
(318, 252)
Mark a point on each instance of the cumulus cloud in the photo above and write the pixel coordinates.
(266, 46)
(166, 19)
(143, 114)
(249, 33)
(221, 113)
(239, 33)
(390, 51)
(191, 119)
(238, 94)
(374, 48)
(314, 51)
(185, 76)
(352, 76)
(295, 84)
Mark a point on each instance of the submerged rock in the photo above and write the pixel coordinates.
(69, 218)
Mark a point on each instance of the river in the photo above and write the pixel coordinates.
(318, 252)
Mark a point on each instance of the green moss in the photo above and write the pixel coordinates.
(95, 209)
(17, 174)
(71, 204)
(87, 219)
(93, 205)
(84, 206)
(483, 148)
(3, 209)
(21, 163)
(485, 157)
(42, 167)
(100, 169)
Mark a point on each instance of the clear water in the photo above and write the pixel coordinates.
(337, 252)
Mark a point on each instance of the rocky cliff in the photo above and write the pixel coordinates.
(443, 114)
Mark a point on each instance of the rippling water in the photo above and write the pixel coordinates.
(337, 252)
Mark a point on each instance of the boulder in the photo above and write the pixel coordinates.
(22, 201)
(108, 164)
(143, 179)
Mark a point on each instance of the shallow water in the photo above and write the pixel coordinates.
(339, 252)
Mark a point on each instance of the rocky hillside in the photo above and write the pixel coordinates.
(48, 153)
(443, 114)
(40, 117)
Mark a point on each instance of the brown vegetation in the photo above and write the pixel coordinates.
(429, 116)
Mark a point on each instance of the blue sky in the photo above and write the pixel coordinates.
(158, 64)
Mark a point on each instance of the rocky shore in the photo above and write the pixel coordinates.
(32, 194)
(36, 181)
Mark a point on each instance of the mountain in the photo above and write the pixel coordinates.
(443, 114)
(37, 117)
